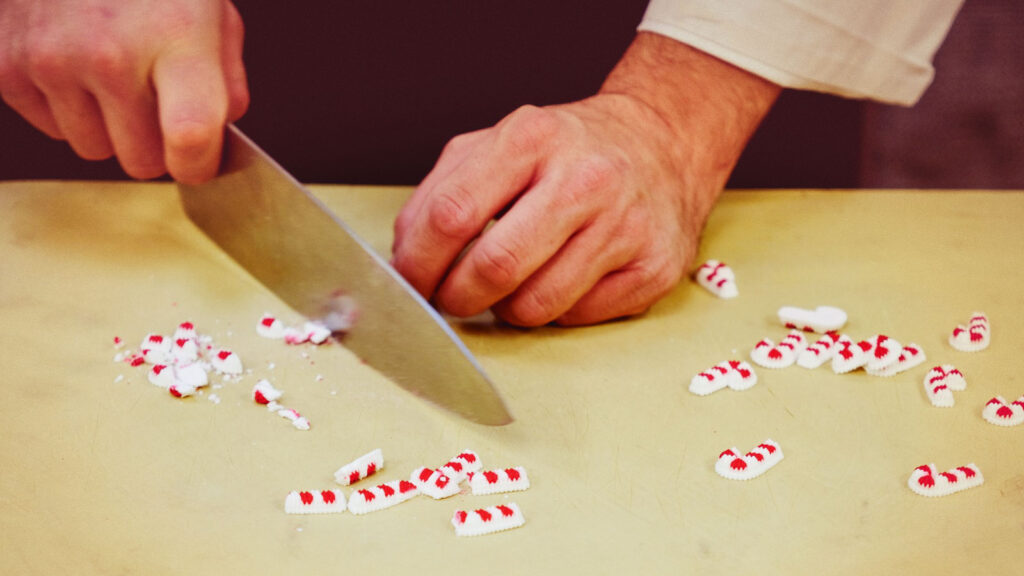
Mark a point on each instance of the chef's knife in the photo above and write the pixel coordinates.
(282, 235)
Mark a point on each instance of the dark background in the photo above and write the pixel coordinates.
(369, 92)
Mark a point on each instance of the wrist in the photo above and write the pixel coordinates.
(710, 108)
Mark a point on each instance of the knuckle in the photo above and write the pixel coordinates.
(529, 307)
(453, 214)
(528, 129)
(109, 62)
(191, 138)
(497, 265)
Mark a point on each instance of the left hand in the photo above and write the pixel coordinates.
(597, 205)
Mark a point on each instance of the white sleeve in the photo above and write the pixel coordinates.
(877, 49)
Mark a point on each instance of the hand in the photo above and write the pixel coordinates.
(150, 81)
(597, 205)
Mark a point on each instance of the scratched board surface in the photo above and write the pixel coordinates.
(106, 473)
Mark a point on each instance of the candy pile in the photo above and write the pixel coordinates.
(438, 483)
(182, 363)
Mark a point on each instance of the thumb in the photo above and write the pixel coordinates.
(193, 102)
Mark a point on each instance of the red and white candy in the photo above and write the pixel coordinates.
(822, 319)
(820, 352)
(998, 412)
(912, 355)
(226, 362)
(366, 465)
(313, 332)
(884, 352)
(314, 502)
(185, 331)
(735, 374)
(850, 355)
(733, 466)
(161, 375)
(270, 327)
(155, 349)
(460, 466)
(770, 355)
(185, 350)
(718, 278)
(927, 481)
(265, 393)
(498, 481)
(974, 337)
(298, 420)
(381, 496)
(940, 382)
(487, 520)
(434, 483)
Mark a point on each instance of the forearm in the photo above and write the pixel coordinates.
(711, 107)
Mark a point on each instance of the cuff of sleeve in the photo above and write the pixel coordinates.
(795, 49)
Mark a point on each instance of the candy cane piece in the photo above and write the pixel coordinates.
(998, 412)
(912, 355)
(974, 337)
(884, 352)
(185, 331)
(718, 278)
(458, 467)
(264, 392)
(366, 465)
(713, 379)
(850, 355)
(298, 420)
(270, 327)
(314, 502)
(820, 352)
(487, 520)
(744, 376)
(770, 355)
(185, 350)
(752, 464)
(381, 496)
(822, 319)
(226, 362)
(940, 382)
(191, 375)
(161, 375)
(498, 481)
(927, 481)
(434, 483)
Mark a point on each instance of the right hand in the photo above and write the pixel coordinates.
(150, 81)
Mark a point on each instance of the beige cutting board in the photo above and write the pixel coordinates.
(103, 473)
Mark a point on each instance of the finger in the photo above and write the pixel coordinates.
(458, 207)
(232, 40)
(79, 119)
(625, 292)
(564, 279)
(454, 153)
(538, 227)
(31, 104)
(192, 103)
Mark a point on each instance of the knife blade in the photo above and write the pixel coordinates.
(288, 240)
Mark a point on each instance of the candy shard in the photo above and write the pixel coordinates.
(315, 502)
(191, 375)
(768, 354)
(263, 392)
(381, 496)
(926, 481)
(752, 464)
(849, 355)
(487, 520)
(270, 327)
(883, 353)
(226, 362)
(161, 375)
(366, 465)
(498, 481)
(718, 278)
